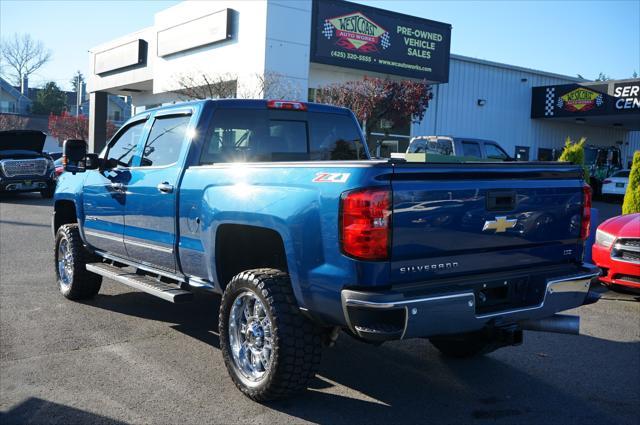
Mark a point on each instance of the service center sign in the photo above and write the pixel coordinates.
(354, 36)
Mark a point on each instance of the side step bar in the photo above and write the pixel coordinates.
(143, 283)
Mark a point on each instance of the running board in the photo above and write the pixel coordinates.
(143, 283)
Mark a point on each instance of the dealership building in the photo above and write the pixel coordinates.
(278, 48)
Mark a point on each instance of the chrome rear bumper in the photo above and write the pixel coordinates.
(450, 313)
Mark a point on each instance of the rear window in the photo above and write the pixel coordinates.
(251, 135)
(624, 173)
(431, 146)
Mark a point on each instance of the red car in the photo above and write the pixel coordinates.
(617, 251)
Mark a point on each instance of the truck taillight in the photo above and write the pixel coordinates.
(284, 104)
(365, 223)
(586, 212)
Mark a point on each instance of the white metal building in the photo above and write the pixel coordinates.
(251, 39)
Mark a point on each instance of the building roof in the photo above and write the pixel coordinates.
(516, 68)
(6, 86)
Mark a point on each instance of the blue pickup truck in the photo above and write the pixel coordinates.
(278, 207)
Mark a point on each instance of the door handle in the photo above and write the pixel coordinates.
(165, 187)
(117, 186)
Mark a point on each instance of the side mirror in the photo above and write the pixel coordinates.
(75, 157)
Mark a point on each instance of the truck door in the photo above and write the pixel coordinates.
(104, 192)
(150, 211)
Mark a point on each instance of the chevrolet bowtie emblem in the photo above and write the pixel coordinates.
(500, 224)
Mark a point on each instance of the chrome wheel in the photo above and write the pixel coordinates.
(65, 263)
(250, 336)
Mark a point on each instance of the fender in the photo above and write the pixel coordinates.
(293, 213)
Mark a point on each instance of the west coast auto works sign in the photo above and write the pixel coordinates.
(580, 100)
(576, 100)
(354, 36)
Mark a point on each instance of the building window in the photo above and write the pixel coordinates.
(545, 154)
(116, 115)
(522, 153)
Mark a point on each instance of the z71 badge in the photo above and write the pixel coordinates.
(331, 177)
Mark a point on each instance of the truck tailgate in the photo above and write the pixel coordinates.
(453, 219)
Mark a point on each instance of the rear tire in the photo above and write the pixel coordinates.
(464, 345)
(270, 349)
(71, 257)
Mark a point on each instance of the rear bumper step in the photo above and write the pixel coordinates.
(143, 283)
(396, 316)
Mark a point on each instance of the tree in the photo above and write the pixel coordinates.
(12, 122)
(631, 203)
(375, 99)
(574, 153)
(23, 56)
(203, 85)
(50, 100)
(74, 80)
(66, 126)
(602, 77)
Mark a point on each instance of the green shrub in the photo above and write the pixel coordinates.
(631, 202)
(574, 153)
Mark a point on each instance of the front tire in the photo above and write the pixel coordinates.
(71, 257)
(270, 350)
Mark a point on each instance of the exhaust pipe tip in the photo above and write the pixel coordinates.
(558, 323)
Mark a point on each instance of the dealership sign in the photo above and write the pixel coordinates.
(627, 95)
(582, 100)
(355, 36)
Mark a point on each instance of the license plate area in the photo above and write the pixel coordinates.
(505, 294)
(619, 184)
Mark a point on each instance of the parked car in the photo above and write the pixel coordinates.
(24, 167)
(444, 146)
(59, 167)
(616, 184)
(617, 251)
(55, 155)
(278, 207)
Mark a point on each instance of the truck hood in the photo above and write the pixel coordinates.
(23, 140)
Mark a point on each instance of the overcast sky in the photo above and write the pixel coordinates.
(570, 37)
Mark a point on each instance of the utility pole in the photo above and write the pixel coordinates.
(78, 94)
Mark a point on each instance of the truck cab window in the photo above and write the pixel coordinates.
(122, 149)
(165, 140)
(471, 149)
(250, 135)
(494, 152)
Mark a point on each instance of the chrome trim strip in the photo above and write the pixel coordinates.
(394, 304)
(148, 245)
(144, 267)
(102, 235)
(620, 247)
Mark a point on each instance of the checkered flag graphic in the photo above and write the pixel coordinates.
(385, 40)
(548, 103)
(327, 31)
(599, 100)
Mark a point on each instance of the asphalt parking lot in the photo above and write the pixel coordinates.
(126, 357)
